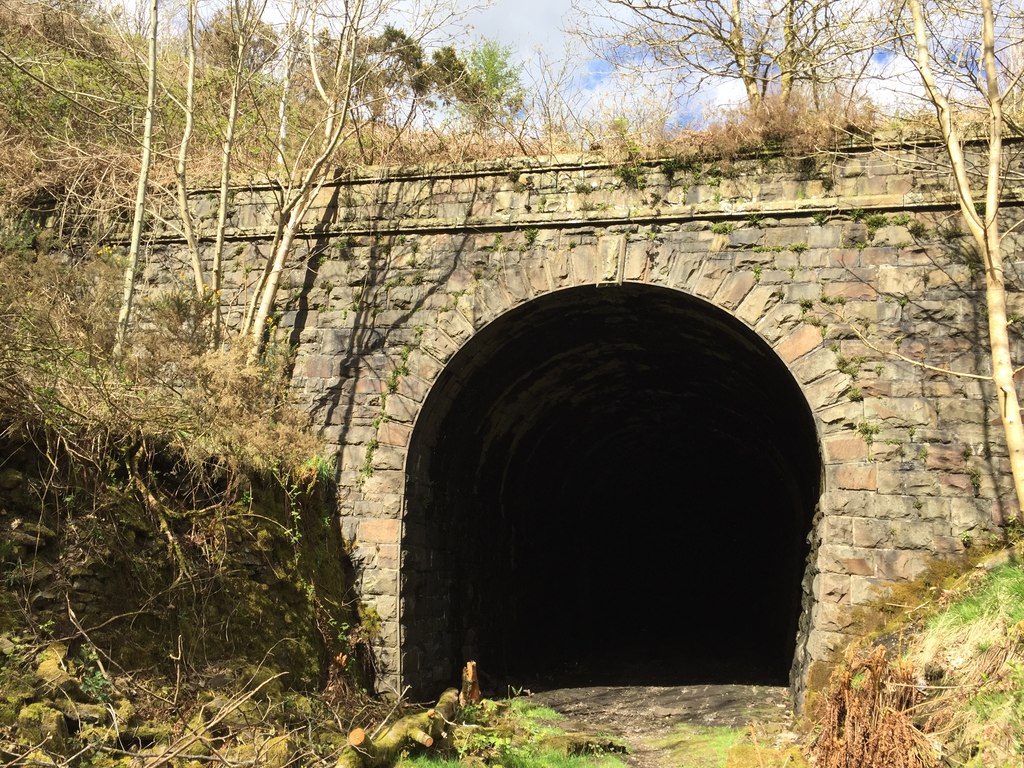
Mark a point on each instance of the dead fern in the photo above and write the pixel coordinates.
(867, 720)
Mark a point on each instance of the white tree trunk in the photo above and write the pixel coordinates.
(181, 176)
(132, 262)
(984, 227)
(296, 200)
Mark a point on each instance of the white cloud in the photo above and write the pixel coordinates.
(524, 25)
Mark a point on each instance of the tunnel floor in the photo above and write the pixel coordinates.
(609, 485)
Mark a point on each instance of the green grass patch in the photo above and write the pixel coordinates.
(1000, 595)
(518, 734)
(524, 708)
(703, 746)
(538, 760)
(700, 746)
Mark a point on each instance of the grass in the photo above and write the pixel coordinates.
(1000, 597)
(518, 734)
(703, 746)
(538, 760)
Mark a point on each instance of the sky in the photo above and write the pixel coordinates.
(529, 26)
(524, 24)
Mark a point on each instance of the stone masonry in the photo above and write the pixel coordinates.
(401, 266)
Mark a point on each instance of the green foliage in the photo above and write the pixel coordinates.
(875, 222)
(18, 236)
(869, 431)
(950, 232)
(632, 170)
(917, 229)
(673, 165)
(722, 227)
(516, 734)
(492, 90)
(632, 174)
(849, 366)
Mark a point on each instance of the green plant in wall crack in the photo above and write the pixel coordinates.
(974, 475)
(722, 227)
(868, 431)
(875, 222)
(366, 470)
(632, 174)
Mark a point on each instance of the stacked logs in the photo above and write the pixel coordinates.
(423, 728)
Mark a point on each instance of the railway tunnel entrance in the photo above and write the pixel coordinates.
(608, 485)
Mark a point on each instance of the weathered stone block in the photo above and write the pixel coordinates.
(865, 589)
(854, 477)
(799, 342)
(379, 531)
(873, 534)
(832, 587)
(846, 560)
(734, 289)
(901, 565)
(834, 618)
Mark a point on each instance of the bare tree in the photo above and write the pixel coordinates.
(347, 42)
(770, 46)
(181, 169)
(957, 51)
(132, 261)
(335, 87)
(244, 24)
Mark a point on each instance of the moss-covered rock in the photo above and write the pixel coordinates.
(41, 724)
(52, 671)
(83, 714)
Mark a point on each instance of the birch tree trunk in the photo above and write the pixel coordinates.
(984, 225)
(297, 200)
(227, 149)
(131, 265)
(180, 174)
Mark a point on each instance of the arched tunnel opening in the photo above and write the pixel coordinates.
(608, 485)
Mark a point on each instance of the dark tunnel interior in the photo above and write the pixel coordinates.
(609, 485)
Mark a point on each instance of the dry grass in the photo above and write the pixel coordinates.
(60, 388)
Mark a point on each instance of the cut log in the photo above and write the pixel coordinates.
(357, 737)
(470, 693)
(424, 728)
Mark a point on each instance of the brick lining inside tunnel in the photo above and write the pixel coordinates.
(608, 485)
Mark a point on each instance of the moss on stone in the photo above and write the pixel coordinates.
(39, 723)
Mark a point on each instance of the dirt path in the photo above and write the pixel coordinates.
(643, 716)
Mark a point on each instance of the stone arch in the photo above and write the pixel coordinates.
(464, 586)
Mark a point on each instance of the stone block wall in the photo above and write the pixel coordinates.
(853, 266)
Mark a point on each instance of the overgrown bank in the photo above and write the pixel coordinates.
(939, 681)
(174, 579)
(131, 622)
